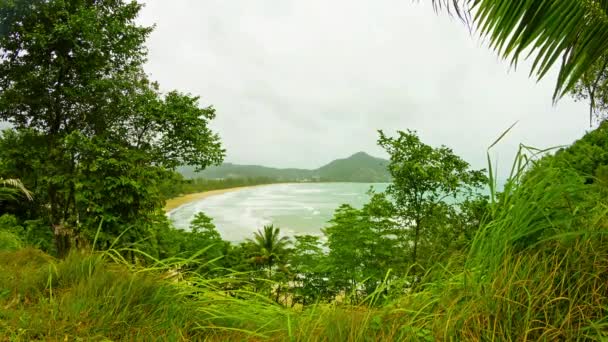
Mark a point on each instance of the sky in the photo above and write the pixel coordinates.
(298, 83)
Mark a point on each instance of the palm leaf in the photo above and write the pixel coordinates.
(571, 32)
(15, 184)
(269, 243)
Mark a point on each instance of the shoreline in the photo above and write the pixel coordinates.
(176, 202)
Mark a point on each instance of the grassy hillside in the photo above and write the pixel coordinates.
(528, 277)
(359, 167)
(536, 270)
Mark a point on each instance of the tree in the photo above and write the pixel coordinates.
(363, 248)
(386, 257)
(348, 241)
(593, 87)
(271, 247)
(309, 266)
(587, 156)
(573, 32)
(423, 178)
(73, 86)
(205, 241)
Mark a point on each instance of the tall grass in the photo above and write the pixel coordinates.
(536, 270)
(93, 296)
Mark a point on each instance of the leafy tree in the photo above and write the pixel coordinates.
(237, 257)
(363, 248)
(95, 136)
(172, 186)
(424, 177)
(593, 87)
(309, 267)
(270, 247)
(348, 239)
(205, 241)
(203, 226)
(588, 157)
(381, 216)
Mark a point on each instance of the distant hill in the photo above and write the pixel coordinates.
(229, 170)
(360, 167)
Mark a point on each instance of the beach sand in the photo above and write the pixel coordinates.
(177, 202)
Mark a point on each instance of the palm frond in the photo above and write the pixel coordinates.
(460, 8)
(16, 184)
(571, 32)
(269, 243)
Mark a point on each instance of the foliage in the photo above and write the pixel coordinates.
(98, 145)
(309, 266)
(423, 178)
(103, 293)
(363, 248)
(9, 223)
(349, 240)
(593, 87)
(588, 156)
(204, 184)
(574, 32)
(270, 248)
(536, 269)
(9, 241)
(27, 232)
(10, 233)
(205, 240)
(201, 244)
(10, 188)
(92, 135)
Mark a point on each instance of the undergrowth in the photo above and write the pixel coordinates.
(537, 270)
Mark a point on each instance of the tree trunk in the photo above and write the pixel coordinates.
(416, 237)
(277, 299)
(63, 240)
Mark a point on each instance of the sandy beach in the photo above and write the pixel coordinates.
(177, 202)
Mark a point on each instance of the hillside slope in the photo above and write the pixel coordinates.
(229, 170)
(360, 167)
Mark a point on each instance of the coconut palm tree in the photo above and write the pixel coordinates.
(571, 32)
(9, 188)
(271, 247)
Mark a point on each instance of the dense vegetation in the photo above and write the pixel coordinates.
(534, 268)
(360, 167)
(92, 137)
(87, 252)
(175, 185)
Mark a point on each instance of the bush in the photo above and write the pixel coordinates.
(9, 241)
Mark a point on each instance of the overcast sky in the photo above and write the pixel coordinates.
(298, 83)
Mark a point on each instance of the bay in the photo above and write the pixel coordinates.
(300, 208)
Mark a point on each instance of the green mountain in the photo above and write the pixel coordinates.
(360, 167)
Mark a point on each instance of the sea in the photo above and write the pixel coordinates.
(297, 209)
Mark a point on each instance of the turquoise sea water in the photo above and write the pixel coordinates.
(301, 208)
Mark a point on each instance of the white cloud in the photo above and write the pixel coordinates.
(299, 83)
